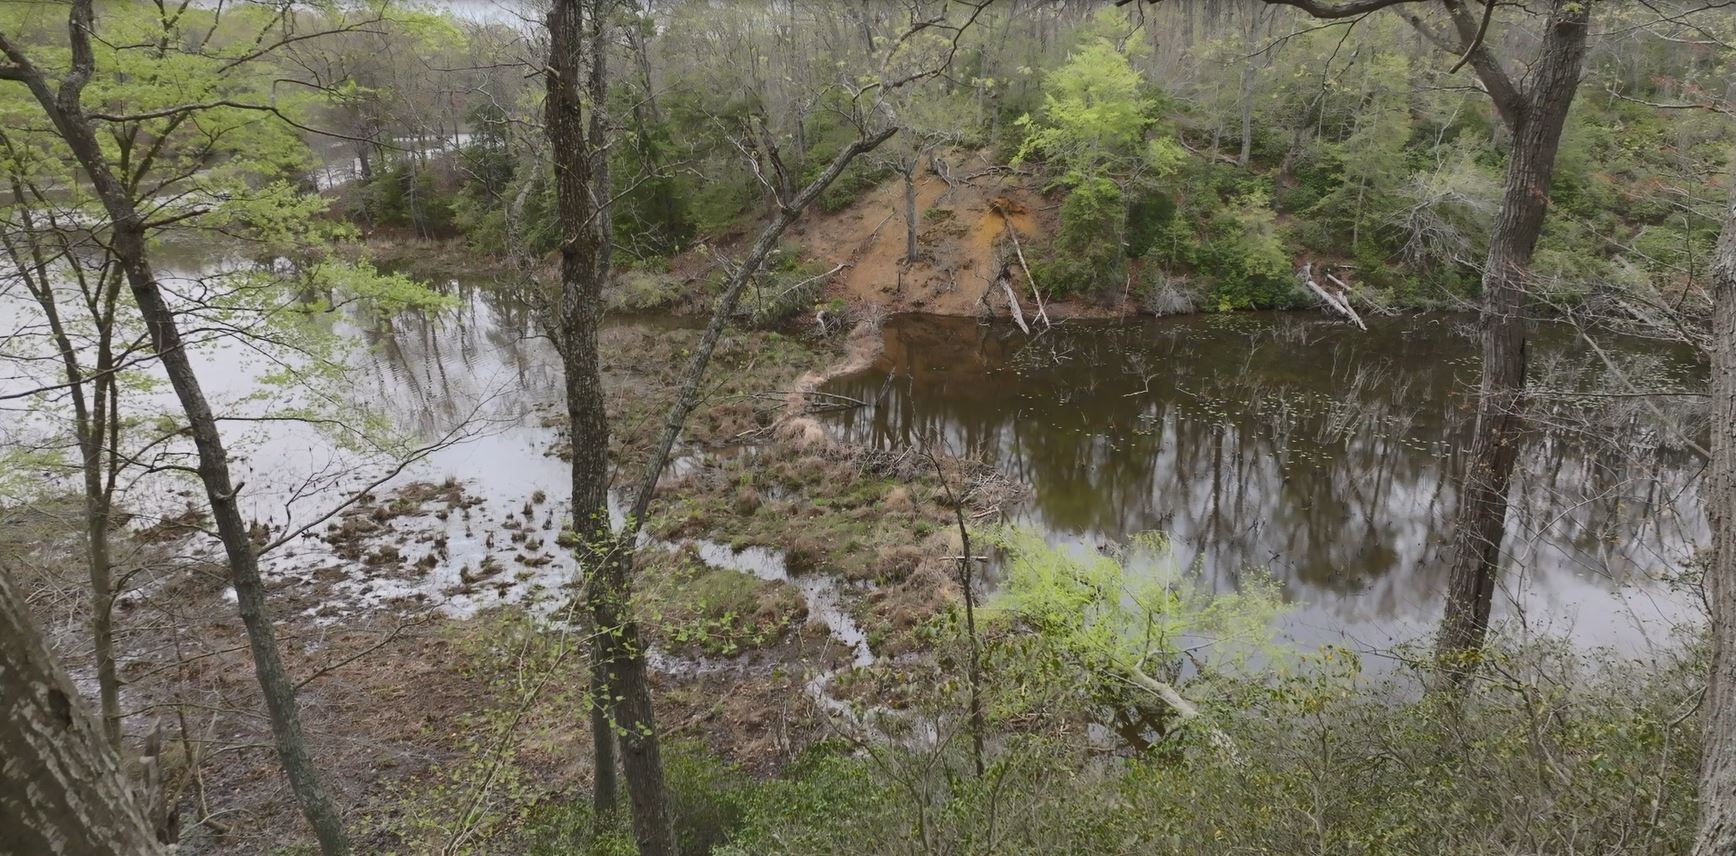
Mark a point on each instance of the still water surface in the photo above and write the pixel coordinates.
(1289, 444)
(1272, 443)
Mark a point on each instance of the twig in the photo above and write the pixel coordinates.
(840, 266)
(856, 401)
(1014, 233)
(964, 581)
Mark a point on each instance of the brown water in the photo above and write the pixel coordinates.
(1279, 442)
(1323, 454)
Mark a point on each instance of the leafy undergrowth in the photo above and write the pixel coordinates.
(834, 513)
(1547, 750)
(1550, 752)
(742, 395)
(691, 607)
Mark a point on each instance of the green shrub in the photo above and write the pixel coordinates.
(1060, 276)
(716, 203)
(1247, 261)
(639, 290)
(483, 222)
(650, 214)
(411, 195)
(1149, 212)
(708, 798)
(1550, 751)
(1089, 252)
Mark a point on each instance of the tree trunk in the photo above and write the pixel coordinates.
(609, 591)
(691, 377)
(274, 681)
(102, 594)
(909, 172)
(1247, 115)
(636, 34)
(620, 700)
(1717, 835)
(589, 444)
(128, 245)
(1259, 15)
(1481, 521)
(609, 587)
(62, 790)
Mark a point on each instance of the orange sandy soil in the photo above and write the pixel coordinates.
(959, 254)
(958, 259)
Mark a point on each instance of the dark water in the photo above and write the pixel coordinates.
(1320, 453)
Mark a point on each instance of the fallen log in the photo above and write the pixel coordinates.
(1041, 312)
(1375, 305)
(1013, 302)
(1342, 307)
(1185, 710)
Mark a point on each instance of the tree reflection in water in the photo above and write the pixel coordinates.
(1317, 451)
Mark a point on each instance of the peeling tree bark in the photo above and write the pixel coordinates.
(1717, 832)
(62, 790)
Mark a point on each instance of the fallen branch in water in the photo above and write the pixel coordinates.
(1377, 306)
(1013, 301)
(1342, 307)
(1183, 708)
(785, 393)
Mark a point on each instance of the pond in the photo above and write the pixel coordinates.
(1286, 444)
(1326, 456)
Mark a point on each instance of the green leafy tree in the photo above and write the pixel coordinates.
(1093, 115)
(1095, 132)
(1120, 631)
(124, 131)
